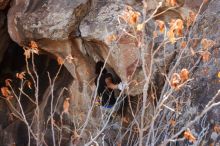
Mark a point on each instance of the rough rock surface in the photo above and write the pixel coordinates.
(206, 76)
(5, 39)
(80, 29)
(4, 4)
(50, 19)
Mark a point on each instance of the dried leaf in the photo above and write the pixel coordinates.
(130, 16)
(8, 82)
(29, 84)
(171, 3)
(27, 53)
(155, 34)
(189, 136)
(175, 80)
(140, 27)
(206, 56)
(206, 44)
(217, 128)
(161, 25)
(183, 44)
(171, 36)
(205, 1)
(33, 45)
(75, 138)
(21, 75)
(219, 74)
(184, 75)
(69, 58)
(6, 93)
(111, 38)
(133, 19)
(192, 51)
(172, 123)
(179, 27)
(190, 19)
(66, 105)
(60, 60)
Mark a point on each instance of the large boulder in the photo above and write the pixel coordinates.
(53, 19)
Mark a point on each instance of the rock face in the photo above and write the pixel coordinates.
(4, 4)
(5, 39)
(51, 19)
(81, 32)
(206, 77)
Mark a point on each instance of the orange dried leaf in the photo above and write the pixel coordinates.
(183, 44)
(140, 27)
(133, 19)
(206, 56)
(189, 136)
(29, 84)
(21, 75)
(179, 27)
(206, 44)
(184, 75)
(175, 80)
(155, 34)
(190, 19)
(219, 74)
(172, 122)
(27, 53)
(111, 38)
(66, 105)
(171, 36)
(217, 128)
(33, 45)
(192, 52)
(5, 91)
(60, 60)
(205, 1)
(161, 25)
(8, 82)
(171, 3)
